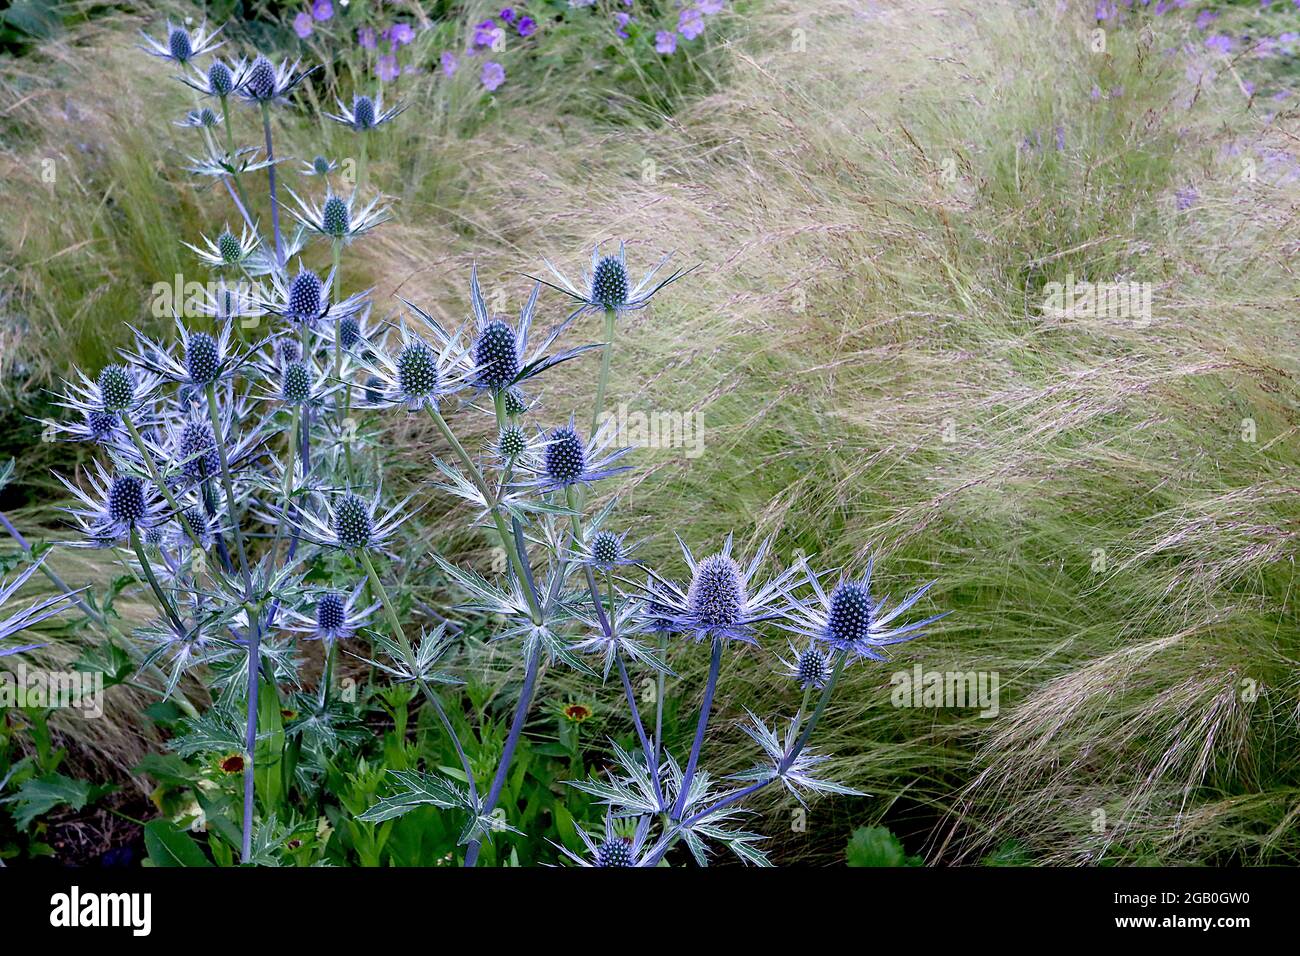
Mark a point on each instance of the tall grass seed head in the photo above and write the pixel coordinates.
(496, 355)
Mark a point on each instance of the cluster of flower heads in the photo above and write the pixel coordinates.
(238, 456)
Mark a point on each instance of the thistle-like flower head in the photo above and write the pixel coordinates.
(608, 286)
(417, 374)
(567, 460)
(350, 522)
(611, 848)
(337, 217)
(220, 79)
(228, 250)
(112, 507)
(306, 298)
(335, 616)
(205, 358)
(365, 113)
(116, 388)
(268, 83)
(807, 668)
(179, 45)
(205, 117)
(722, 602)
(849, 619)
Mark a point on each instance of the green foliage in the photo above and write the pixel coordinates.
(877, 846)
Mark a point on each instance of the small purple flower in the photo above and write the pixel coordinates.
(690, 24)
(485, 33)
(1205, 18)
(1185, 198)
(665, 43)
(387, 68)
(366, 38)
(302, 25)
(1219, 42)
(623, 20)
(494, 74)
(508, 15)
(1106, 9)
(400, 34)
(449, 63)
(322, 10)
(709, 7)
(527, 26)
(1095, 95)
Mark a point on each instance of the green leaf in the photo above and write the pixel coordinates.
(169, 845)
(42, 794)
(876, 846)
(421, 789)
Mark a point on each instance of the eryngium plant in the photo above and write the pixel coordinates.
(232, 481)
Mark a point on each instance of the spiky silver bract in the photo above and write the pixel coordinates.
(181, 46)
(333, 616)
(349, 522)
(111, 507)
(34, 613)
(338, 217)
(268, 83)
(365, 113)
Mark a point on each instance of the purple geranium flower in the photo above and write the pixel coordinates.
(691, 23)
(508, 15)
(665, 43)
(1205, 18)
(400, 34)
(485, 33)
(527, 26)
(387, 68)
(322, 10)
(449, 63)
(710, 7)
(366, 38)
(302, 25)
(494, 74)
(1219, 42)
(623, 20)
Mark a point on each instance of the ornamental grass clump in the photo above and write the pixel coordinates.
(233, 482)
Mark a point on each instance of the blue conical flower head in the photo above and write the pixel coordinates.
(289, 350)
(717, 592)
(496, 354)
(296, 383)
(349, 331)
(566, 457)
(101, 424)
(320, 165)
(330, 611)
(202, 358)
(194, 519)
(374, 390)
(615, 852)
(198, 451)
(606, 549)
(609, 283)
(261, 79)
(352, 522)
(336, 217)
(812, 668)
(207, 117)
(117, 388)
(417, 370)
(231, 249)
(516, 402)
(126, 500)
(220, 80)
(178, 42)
(512, 442)
(155, 535)
(363, 112)
(849, 618)
(304, 296)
